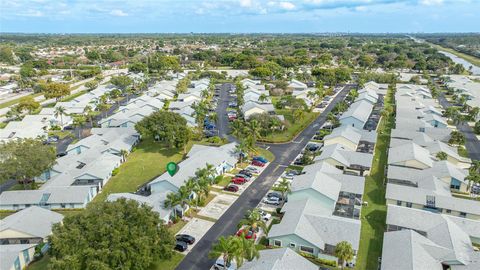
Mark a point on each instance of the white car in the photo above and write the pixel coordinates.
(252, 169)
(272, 200)
(265, 216)
(220, 265)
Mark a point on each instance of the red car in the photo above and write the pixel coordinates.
(258, 163)
(248, 234)
(231, 188)
(239, 180)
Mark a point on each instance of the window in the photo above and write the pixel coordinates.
(63, 205)
(306, 249)
(17, 264)
(277, 243)
(292, 245)
(409, 204)
(399, 203)
(463, 214)
(430, 201)
(26, 256)
(448, 211)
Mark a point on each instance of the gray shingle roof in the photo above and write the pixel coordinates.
(418, 196)
(346, 132)
(279, 259)
(9, 254)
(409, 151)
(360, 110)
(34, 220)
(320, 182)
(345, 156)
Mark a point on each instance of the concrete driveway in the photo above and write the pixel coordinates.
(218, 206)
(196, 228)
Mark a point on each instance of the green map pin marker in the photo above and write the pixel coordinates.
(172, 168)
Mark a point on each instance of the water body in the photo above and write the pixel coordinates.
(475, 70)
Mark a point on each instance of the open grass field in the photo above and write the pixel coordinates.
(15, 101)
(294, 127)
(373, 216)
(146, 162)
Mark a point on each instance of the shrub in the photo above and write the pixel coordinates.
(264, 241)
(115, 171)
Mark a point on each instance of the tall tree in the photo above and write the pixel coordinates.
(25, 159)
(110, 235)
(344, 252)
(27, 104)
(59, 111)
(165, 126)
(56, 90)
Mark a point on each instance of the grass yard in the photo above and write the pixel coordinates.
(146, 162)
(294, 128)
(265, 153)
(15, 101)
(62, 134)
(40, 264)
(168, 264)
(73, 96)
(373, 216)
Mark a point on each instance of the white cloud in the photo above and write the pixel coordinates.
(431, 2)
(287, 5)
(118, 13)
(246, 3)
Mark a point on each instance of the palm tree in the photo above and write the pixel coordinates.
(473, 173)
(284, 187)
(229, 248)
(344, 252)
(78, 122)
(262, 98)
(59, 111)
(332, 119)
(249, 250)
(171, 202)
(124, 154)
(241, 148)
(237, 128)
(87, 111)
(253, 220)
(254, 131)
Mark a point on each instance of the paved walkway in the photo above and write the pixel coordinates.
(250, 198)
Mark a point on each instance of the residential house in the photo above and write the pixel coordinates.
(250, 108)
(345, 159)
(278, 259)
(31, 225)
(16, 257)
(357, 115)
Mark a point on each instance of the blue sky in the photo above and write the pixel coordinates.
(286, 16)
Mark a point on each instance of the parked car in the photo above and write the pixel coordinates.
(298, 162)
(231, 188)
(220, 265)
(275, 194)
(209, 133)
(61, 154)
(252, 169)
(185, 238)
(181, 246)
(241, 175)
(258, 163)
(245, 172)
(272, 200)
(248, 234)
(239, 180)
(261, 159)
(265, 216)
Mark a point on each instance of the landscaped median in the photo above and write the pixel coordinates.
(374, 214)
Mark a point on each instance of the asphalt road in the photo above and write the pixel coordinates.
(472, 144)
(251, 197)
(222, 105)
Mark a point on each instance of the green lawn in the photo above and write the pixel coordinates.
(160, 265)
(265, 153)
(294, 127)
(40, 264)
(15, 101)
(60, 133)
(168, 264)
(73, 96)
(146, 162)
(373, 216)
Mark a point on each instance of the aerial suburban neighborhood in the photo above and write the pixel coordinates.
(239, 135)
